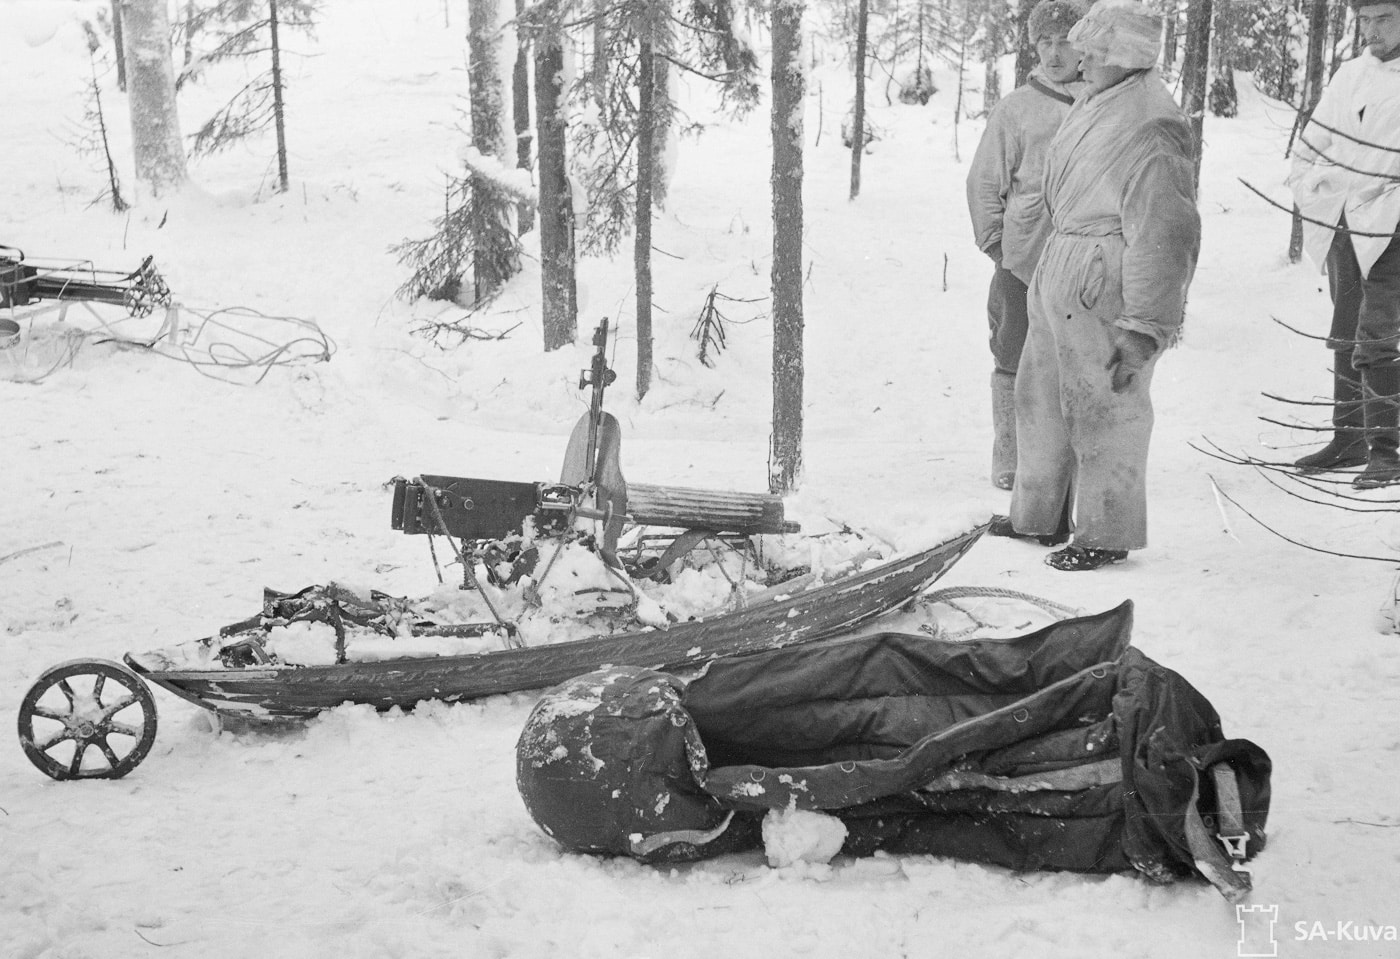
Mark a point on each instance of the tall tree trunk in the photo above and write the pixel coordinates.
(1169, 40)
(520, 90)
(189, 33)
(1337, 13)
(1312, 91)
(789, 93)
(278, 103)
(155, 121)
(1224, 98)
(991, 58)
(117, 42)
(661, 121)
(1195, 73)
(493, 241)
(1025, 43)
(646, 162)
(558, 282)
(858, 121)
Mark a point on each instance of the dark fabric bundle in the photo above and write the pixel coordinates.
(1061, 749)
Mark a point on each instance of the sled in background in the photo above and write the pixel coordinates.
(24, 282)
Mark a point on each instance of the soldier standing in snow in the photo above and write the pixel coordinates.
(1107, 296)
(1347, 172)
(1008, 214)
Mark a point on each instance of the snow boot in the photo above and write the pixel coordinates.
(1004, 429)
(1348, 444)
(1382, 407)
(1075, 559)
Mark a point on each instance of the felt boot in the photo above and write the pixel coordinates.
(1381, 388)
(1004, 429)
(1348, 444)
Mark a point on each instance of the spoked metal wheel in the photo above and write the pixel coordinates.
(87, 719)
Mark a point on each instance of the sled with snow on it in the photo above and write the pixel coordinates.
(558, 579)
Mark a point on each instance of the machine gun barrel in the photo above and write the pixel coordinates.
(600, 378)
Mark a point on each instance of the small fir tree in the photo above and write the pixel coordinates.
(244, 30)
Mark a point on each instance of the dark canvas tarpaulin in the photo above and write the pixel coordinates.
(1061, 749)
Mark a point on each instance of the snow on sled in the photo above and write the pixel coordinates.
(1060, 749)
(558, 579)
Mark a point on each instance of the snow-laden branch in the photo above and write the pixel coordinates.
(511, 180)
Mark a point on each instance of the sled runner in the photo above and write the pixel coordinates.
(316, 649)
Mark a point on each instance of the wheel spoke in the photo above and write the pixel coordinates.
(53, 741)
(125, 729)
(67, 691)
(107, 751)
(109, 711)
(97, 685)
(45, 712)
(77, 764)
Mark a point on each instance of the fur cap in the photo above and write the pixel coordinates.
(1056, 16)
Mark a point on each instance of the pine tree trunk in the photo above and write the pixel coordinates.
(789, 92)
(155, 121)
(991, 59)
(1224, 98)
(278, 102)
(858, 121)
(520, 90)
(1312, 91)
(493, 242)
(1336, 34)
(660, 130)
(1025, 43)
(189, 33)
(117, 42)
(1169, 39)
(641, 250)
(557, 276)
(1195, 73)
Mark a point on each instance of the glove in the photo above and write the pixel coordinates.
(1131, 351)
(994, 251)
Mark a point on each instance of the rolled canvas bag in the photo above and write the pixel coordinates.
(1061, 749)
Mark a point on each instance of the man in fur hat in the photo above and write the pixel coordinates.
(1107, 296)
(1008, 214)
(1346, 177)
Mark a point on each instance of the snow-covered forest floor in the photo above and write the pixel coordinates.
(163, 496)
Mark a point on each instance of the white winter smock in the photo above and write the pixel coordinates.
(1004, 195)
(1120, 187)
(1346, 160)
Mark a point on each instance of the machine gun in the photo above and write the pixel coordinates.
(24, 281)
(591, 487)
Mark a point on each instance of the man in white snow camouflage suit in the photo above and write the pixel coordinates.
(1009, 220)
(1107, 296)
(1346, 174)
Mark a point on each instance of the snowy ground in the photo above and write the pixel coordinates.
(163, 500)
